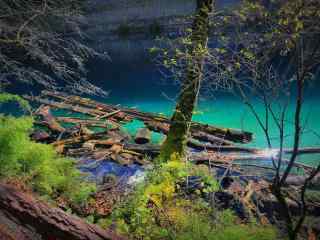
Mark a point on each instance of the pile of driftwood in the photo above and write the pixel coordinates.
(74, 136)
(221, 147)
(111, 141)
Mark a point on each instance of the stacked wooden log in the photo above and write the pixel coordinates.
(115, 113)
(112, 143)
(215, 146)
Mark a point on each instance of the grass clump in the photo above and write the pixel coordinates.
(38, 164)
(160, 208)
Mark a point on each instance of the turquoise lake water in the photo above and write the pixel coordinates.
(136, 82)
(228, 112)
(139, 84)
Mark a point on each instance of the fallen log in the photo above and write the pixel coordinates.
(205, 137)
(66, 106)
(24, 217)
(156, 126)
(237, 159)
(145, 149)
(238, 149)
(49, 120)
(83, 130)
(115, 111)
(132, 148)
(257, 157)
(116, 153)
(143, 136)
(220, 148)
(79, 139)
(224, 133)
(233, 135)
(233, 153)
(111, 135)
(101, 106)
(89, 122)
(198, 135)
(117, 133)
(108, 114)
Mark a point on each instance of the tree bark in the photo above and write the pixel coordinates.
(49, 120)
(24, 217)
(181, 119)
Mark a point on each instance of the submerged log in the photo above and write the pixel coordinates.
(143, 136)
(24, 217)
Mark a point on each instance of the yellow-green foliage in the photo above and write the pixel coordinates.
(47, 172)
(159, 209)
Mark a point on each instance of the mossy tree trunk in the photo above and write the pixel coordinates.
(181, 119)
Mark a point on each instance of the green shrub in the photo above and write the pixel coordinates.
(13, 139)
(46, 171)
(159, 209)
(7, 97)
